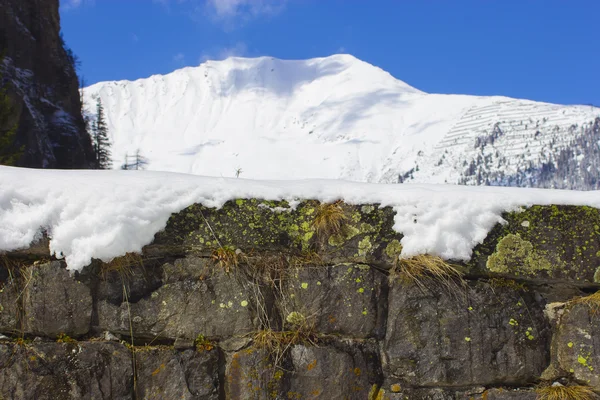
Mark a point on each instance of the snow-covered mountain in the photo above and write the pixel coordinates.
(339, 117)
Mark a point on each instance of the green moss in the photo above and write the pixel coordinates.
(517, 256)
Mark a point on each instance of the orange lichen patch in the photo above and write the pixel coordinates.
(157, 370)
(312, 365)
(357, 371)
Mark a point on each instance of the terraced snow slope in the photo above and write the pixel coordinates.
(335, 117)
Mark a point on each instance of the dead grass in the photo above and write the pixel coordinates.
(226, 258)
(418, 269)
(309, 258)
(329, 218)
(123, 265)
(592, 301)
(277, 343)
(560, 392)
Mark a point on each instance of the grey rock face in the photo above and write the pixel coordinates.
(576, 344)
(343, 299)
(209, 302)
(440, 338)
(169, 374)
(307, 372)
(9, 308)
(50, 371)
(54, 302)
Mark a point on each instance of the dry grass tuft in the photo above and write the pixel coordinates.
(329, 218)
(277, 343)
(226, 257)
(123, 265)
(306, 258)
(592, 301)
(419, 268)
(559, 392)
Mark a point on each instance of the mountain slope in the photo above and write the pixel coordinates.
(334, 117)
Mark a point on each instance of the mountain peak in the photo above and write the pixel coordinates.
(330, 117)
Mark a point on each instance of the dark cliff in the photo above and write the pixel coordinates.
(43, 86)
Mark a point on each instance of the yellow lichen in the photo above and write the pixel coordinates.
(516, 255)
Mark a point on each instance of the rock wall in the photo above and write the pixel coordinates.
(43, 86)
(258, 300)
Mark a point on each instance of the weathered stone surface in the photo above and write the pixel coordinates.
(332, 373)
(544, 242)
(9, 308)
(442, 337)
(476, 393)
(54, 302)
(208, 301)
(169, 374)
(50, 371)
(262, 225)
(508, 394)
(576, 344)
(327, 372)
(250, 374)
(345, 299)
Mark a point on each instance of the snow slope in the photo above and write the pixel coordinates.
(104, 214)
(335, 117)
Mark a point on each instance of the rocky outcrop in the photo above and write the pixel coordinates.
(40, 75)
(257, 300)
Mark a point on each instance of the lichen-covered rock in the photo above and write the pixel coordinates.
(476, 335)
(366, 233)
(544, 243)
(576, 344)
(329, 372)
(332, 373)
(344, 299)
(54, 302)
(209, 302)
(50, 371)
(250, 374)
(164, 373)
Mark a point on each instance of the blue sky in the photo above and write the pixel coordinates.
(546, 50)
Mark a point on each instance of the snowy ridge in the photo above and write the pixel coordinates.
(105, 214)
(335, 117)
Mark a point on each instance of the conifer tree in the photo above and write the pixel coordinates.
(100, 138)
(137, 161)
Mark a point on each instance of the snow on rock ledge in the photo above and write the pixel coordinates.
(104, 214)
